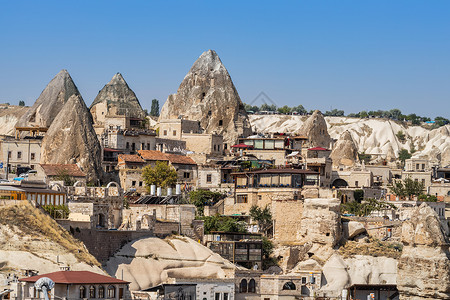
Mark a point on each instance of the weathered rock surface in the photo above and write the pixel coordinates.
(116, 99)
(321, 221)
(31, 240)
(424, 267)
(50, 102)
(315, 129)
(344, 151)
(71, 139)
(352, 229)
(9, 116)
(207, 94)
(151, 261)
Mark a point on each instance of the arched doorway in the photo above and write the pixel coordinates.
(338, 183)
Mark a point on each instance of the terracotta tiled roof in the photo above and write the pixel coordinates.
(58, 169)
(180, 159)
(318, 149)
(75, 277)
(134, 158)
(160, 156)
(153, 155)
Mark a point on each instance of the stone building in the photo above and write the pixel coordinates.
(75, 285)
(130, 172)
(23, 152)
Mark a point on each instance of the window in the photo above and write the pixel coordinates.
(165, 132)
(128, 145)
(218, 147)
(252, 286)
(220, 122)
(217, 296)
(417, 166)
(356, 183)
(225, 146)
(101, 292)
(243, 286)
(214, 147)
(148, 146)
(174, 133)
(208, 178)
(225, 296)
(290, 286)
(82, 292)
(423, 166)
(133, 183)
(186, 175)
(259, 197)
(32, 156)
(19, 155)
(241, 198)
(133, 146)
(143, 146)
(303, 280)
(111, 292)
(9, 154)
(92, 291)
(140, 183)
(111, 127)
(423, 181)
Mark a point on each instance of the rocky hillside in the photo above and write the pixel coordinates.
(30, 239)
(372, 136)
(116, 98)
(9, 115)
(50, 102)
(151, 261)
(207, 94)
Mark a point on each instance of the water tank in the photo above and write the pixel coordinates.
(178, 189)
(153, 190)
(169, 191)
(158, 191)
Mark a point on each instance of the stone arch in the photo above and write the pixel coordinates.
(112, 183)
(101, 220)
(55, 184)
(79, 182)
(243, 286)
(289, 286)
(339, 183)
(252, 286)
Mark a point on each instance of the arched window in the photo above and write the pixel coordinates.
(289, 286)
(101, 292)
(252, 286)
(82, 292)
(92, 292)
(243, 286)
(111, 292)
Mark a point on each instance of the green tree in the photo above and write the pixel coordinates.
(284, 110)
(267, 107)
(262, 216)
(401, 136)
(363, 114)
(202, 198)
(21, 103)
(223, 223)
(155, 108)
(358, 195)
(299, 109)
(63, 175)
(334, 113)
(364, 157)
(366, 207)
(404, 155)
(406, 188)
(161, 175)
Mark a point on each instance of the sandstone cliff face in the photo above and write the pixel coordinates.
(9, 115)
(71, 139)
(424, 267)
(344, 151)
(116, 98)
(315, 129)
(151, 261)
(50, 102)
(207, 94)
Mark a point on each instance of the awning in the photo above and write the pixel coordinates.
(242, 146)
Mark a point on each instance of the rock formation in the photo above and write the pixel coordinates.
(151, 261)
(344, 151)
(315, 129)
(71, 139)
(424, 266)
(9, 115)
(50, 102)
(116, 98)
(207, 94)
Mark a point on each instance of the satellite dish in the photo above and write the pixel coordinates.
(44, 284)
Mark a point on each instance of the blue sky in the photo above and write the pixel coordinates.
(350, 55)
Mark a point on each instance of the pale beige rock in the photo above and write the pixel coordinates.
(71, 139)
(151, 261)
(345, 151)
(352, 229)
(9, 116)
(424, 267)
(315, 129)
(50, 102)
(207, 94)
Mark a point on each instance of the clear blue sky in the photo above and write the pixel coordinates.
(351, 55)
